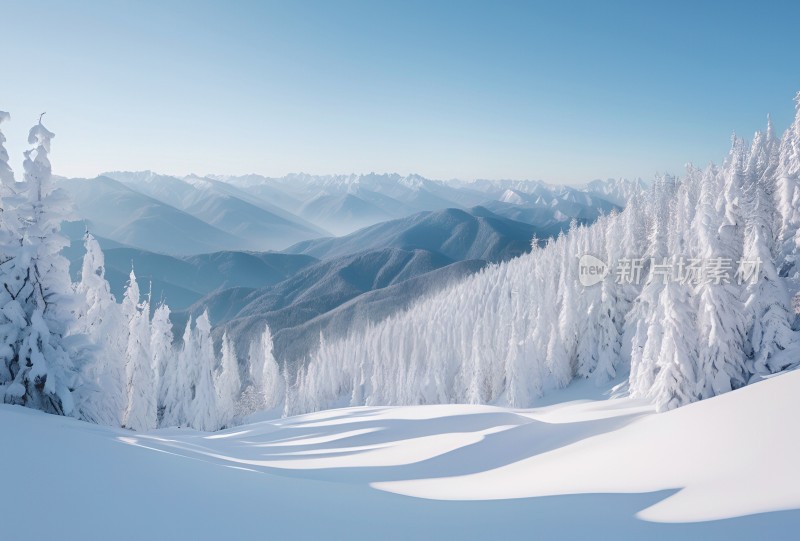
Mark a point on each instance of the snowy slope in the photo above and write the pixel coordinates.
(725, 468)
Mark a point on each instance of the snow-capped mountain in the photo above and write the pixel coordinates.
(194, 214)
(617, 191)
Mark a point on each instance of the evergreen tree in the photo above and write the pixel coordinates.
(611, 307)
(203, 411)
(164, 358)
(648, 312)
(228, 383)
(265, 378)
(721, 323)
(177, 385)
(9, 245)
(37, 300)
(675, 377)
(141, 412)
(787, 194)
(767, 303)
(101, 395)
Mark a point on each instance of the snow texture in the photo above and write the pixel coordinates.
(581, 469)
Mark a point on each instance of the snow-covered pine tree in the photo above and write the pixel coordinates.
(289, 393)
(563, 369)
(9, 243)
(177, 385)
(768, 302)
(589, 305)
(141, 412)
(228, 383)
(611, 307)
(674, 382)
(635, 225)
(721, 322)
(164, 358)
(675, 379)
(203, 412)
(787, 194)
(554, 324)
(648, 312)
(525, 357)
(266, 382)
(101, 396)
(37, 300)
(267, 375)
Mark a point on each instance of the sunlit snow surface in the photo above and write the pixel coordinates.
(724, 468)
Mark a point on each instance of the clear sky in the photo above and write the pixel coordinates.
(560, 91)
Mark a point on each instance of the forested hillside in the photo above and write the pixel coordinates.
(696, 301)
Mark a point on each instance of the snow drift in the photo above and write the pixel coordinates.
(724, 468)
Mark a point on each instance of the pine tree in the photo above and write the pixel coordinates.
(768, 303)
(611, 308)
(203, 411)
(9, 246)
(177, 385)
(228, 383)
(164, 358)
(265, 377)
(101, 395)
(648, 312)
(787, 194)
(720, 322)
(675, 380)
(141, 412)
(37, 300)
(590, 305)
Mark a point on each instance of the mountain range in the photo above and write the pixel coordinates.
(194, 215)
(199, 242)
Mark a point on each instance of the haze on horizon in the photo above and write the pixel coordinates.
(526, 90)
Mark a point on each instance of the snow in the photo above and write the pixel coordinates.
(715, 451)
(723, 468)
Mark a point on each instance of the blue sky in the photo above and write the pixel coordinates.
(560, 91)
